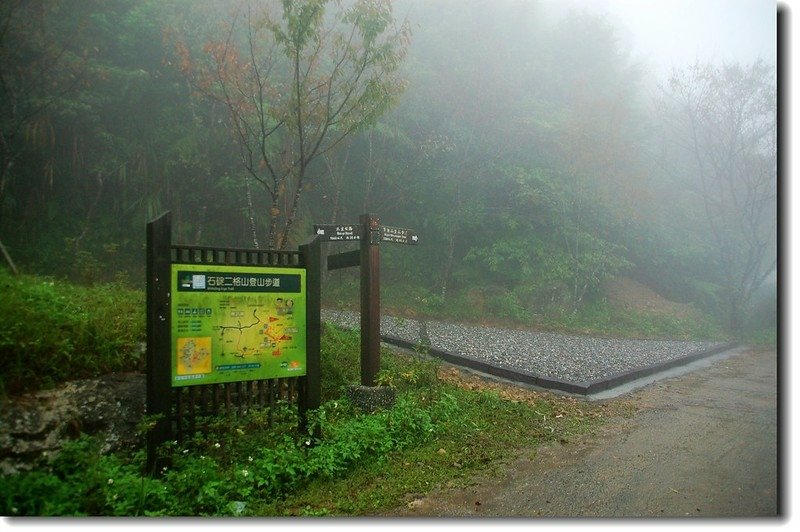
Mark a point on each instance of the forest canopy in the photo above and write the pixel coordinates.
(527, 150)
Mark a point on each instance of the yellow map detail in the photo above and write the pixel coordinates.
(194, 355)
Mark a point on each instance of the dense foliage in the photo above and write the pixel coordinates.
(522, 146)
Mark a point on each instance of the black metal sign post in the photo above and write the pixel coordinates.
(370, 234)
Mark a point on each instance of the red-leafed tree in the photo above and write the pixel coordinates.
(297, 78)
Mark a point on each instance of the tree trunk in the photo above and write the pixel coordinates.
(7, 257)
(290, 217)
(250, 212)
(273, 223)
(736, 318)
(448, 265)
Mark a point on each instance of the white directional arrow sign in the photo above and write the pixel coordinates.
(339, 233)
(398, 235)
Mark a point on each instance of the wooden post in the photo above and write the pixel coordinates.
(159, 370)
(370, 234)
(310, 392)
(370, 299)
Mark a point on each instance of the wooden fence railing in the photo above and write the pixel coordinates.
(180, 411)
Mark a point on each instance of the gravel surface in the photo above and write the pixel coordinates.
(571, 358)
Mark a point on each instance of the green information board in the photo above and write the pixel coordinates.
(237, 323)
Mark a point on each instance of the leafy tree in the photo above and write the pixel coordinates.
(99, 135)
(38, 68)
(721, 140)
(296, 80)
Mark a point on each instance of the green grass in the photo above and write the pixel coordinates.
(502, 308)
(479, 432)
(52, 331)
(442, 430)
(600, 318)
(762, 337)
(439, 432)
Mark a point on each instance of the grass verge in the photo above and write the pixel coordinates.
(52, 331)
(443, 428)
(502, 309)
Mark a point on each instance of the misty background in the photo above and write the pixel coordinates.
(544, 151)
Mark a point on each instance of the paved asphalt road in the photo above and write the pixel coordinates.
(703, 444)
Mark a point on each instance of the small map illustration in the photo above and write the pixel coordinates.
(194, 355)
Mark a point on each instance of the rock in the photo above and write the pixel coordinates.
(36, 425)
(371, 398)
(416, 503)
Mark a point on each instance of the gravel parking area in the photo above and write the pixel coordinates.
(559, 357)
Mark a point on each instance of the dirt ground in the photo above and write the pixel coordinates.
(703, 444)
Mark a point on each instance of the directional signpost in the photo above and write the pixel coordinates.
(339, 233)
(344, 260)
(370, 234)
(398, 235)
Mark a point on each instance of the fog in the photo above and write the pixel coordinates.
(540, 149)
(674, 33)
(667, 34)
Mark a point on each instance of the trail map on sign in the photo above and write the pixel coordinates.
(237, 323)
(243, 333)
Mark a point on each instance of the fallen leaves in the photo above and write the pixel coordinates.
(563, 406)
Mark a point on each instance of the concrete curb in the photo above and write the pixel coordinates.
(580, 388)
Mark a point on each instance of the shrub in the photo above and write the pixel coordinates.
(210, 476)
